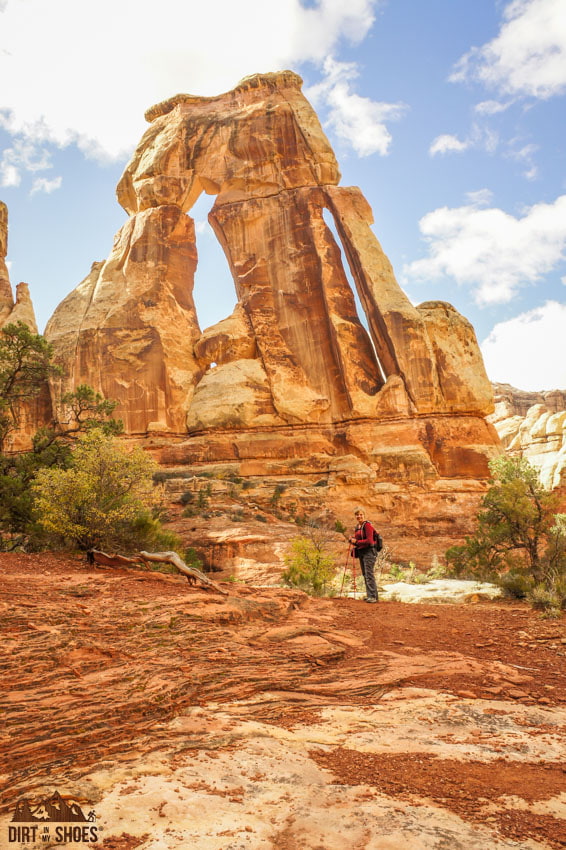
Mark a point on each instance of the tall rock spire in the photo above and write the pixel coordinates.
(22, 309)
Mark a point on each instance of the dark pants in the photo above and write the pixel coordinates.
(367, 562)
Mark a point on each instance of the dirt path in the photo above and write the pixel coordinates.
(286, 720)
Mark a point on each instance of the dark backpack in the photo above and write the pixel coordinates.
(377, 539)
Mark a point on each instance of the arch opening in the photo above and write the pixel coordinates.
(214, 292)
(360, 312)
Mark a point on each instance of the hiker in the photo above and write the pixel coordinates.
(364, 542)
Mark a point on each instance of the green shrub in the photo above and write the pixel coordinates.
(543, 599)
(309, 567)
(516, 584)
(191, 558)
(103, 500)
(520, 540)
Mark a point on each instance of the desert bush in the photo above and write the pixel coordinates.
(104, 499)
(309, 565)
(519, 533)
(547, 600)
(25, 366)
(515, 583)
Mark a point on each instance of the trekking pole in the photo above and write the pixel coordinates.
(345, 568)
(354, 572)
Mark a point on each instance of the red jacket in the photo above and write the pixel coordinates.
(365, 535)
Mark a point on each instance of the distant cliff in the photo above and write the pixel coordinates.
(533, 425)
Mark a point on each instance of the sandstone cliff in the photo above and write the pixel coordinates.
(533, 425)
(292, 383)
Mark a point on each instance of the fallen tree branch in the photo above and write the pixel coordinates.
(193, 575)
(94, 556)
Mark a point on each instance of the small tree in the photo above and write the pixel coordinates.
(103, 499)
(518, 533)
(25, 365)
(309, 566)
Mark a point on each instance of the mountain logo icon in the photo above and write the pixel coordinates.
(53, 809)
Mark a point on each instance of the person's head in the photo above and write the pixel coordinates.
(359, 514)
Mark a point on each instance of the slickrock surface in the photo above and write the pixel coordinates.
(270, 720)
(292, 376)
(533, 425)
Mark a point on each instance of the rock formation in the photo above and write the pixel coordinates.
(32, 412)
(291, 382)
(533, 425)
(21, 309)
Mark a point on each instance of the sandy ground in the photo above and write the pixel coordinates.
(265, 719)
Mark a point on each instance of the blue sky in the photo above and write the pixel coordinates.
(449, 114)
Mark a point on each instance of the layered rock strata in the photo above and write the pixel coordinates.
(533, 425)
(292, 375)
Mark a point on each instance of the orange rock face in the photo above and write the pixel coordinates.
(294, 360)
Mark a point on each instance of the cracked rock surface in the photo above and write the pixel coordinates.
(267, 719)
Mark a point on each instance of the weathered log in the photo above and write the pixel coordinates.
(193, 575)
(95, 556)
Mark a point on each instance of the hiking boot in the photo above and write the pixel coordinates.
(369, 599)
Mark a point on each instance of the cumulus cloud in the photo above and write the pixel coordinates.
(489, 250)
(528, 56)
(528, 351)
(103, 64)
(359, 121)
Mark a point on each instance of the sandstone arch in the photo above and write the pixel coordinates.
(294, 352)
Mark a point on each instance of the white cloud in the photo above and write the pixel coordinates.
(480, 138)
(490, 250)
(528, 351)
(480, 198)
(9, 175)
(103, 64)
(492, 107)
(42, 184)
(357, 120)
(524, 156)
(22, 156)
(528, 56)
(203, 228)
(447, 144)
